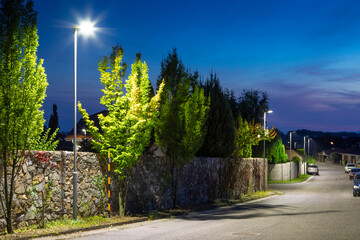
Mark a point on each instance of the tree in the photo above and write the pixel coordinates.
(252, 105)
(183, 111)
(248, 135)
(126, 130)
(22, 91)
(276, 154)
(219, 140)
(54, 120)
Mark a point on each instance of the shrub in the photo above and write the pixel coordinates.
(296, 159)
(311, 160)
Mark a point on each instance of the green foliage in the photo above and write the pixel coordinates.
(301, 178)
(46, 142)
(300, 151)
(54, 120)
(248, 135)
(277, 153)
(252, 104)
(181, 128)
(22, 91)
(310, 160)
(244, 140)
(126, 130)
(219, 140)
(184, 107)
(296, 159)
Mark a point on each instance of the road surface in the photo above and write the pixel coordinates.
(321, 208)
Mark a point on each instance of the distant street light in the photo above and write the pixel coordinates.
(84, 131)
(305, 154)
(270, 111)
(290, 152)
(85, 28)
(309, 146)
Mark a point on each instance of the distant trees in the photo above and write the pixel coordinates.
(180, 128)
(54, 120)
(252, 104)
(22, 91)
(126, 130)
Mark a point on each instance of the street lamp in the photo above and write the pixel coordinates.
(270, 111)
(305, 154)
(85, 28)
(290, 152)
(84, 131)
(309, 146)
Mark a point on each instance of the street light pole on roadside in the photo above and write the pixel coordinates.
(290, 152)
(270, 111)
(86, 28)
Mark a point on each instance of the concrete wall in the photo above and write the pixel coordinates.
(281, 172)
(201, 181)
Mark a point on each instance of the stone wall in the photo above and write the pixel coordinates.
(38, 170)
(202, 181)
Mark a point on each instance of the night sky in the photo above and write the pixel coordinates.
(304, 54)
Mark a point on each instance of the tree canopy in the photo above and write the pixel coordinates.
(126, 130)
(22, 91)
(183, 111)
(219, 140)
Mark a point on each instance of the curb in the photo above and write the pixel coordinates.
(75, 230)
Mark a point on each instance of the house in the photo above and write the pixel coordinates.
(332, 155)
(81, 127)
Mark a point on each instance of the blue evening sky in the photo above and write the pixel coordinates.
(304, 54)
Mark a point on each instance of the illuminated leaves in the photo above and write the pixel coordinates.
(126, 130)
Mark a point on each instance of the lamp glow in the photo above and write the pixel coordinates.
(86, 28)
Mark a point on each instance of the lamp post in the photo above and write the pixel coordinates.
(309, 146)
(270, 111)
(86, 28)
(305, 154)
(290, 152)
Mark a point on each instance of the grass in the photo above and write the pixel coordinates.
(67, 225)
(301, 178)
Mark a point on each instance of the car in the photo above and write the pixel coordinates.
(349, 166)
(356, 185)
(352, 173)
(312, 169)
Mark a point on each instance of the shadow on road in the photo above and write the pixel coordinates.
(248, 212)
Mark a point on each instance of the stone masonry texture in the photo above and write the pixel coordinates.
(202, 181)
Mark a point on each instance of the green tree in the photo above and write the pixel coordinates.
(181, 127)
(296, 159)
(252, 104)
(219, 140)
(248, 135)
(276, 153)
(22, 91)
(126, 130)
(310, 160)
(54, 120)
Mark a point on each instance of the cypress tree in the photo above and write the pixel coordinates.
(219, 140)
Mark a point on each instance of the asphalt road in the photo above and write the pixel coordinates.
(321, 208)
